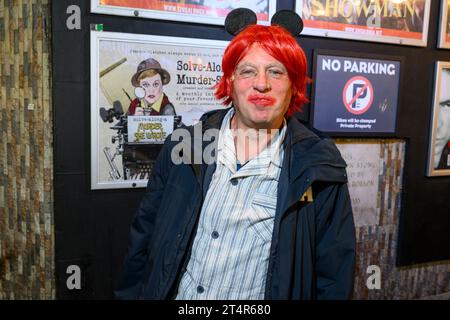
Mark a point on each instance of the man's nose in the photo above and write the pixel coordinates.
(261, 82)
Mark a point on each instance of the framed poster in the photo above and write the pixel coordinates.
(355, 95)
(197, 11)
(142, 87)
(439, 142)
(401, 22)
(444, 25)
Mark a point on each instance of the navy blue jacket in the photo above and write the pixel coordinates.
(312, 254)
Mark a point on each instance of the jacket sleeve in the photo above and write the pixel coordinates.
(130, 281)
(335, 243)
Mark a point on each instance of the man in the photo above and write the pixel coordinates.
(442, 140)
(267, 220)
(151, 77)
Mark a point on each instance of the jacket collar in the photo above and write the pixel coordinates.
(213, 119)
(309, 152)
(306, 150)
(210, 120)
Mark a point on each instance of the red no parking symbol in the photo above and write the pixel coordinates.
(358, 95)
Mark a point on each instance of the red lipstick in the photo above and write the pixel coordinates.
(261, 100)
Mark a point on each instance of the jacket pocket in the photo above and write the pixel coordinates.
(263, 213)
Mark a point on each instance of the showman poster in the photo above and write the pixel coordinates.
(400, 22)
(355, 95)
(142, 88)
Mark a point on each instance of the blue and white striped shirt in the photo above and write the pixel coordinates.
(231, 249)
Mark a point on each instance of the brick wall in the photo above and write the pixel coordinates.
(26, 156)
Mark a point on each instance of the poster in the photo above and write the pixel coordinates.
(375, 178)
(439, 141)
(355, 95)
(197, 11)
(364, 166)
(142, 88)
(444, 25)
(401, 22)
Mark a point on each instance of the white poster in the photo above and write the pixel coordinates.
(363, 170)
(142, 88)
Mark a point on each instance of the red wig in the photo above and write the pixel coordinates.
(281, 45)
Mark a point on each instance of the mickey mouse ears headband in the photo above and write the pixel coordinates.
(240, 18)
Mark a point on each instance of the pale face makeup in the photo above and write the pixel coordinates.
(153, 88)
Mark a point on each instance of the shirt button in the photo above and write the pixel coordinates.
(200, 289)
(215, 235)
(234, 182)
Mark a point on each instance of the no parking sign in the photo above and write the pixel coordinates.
(355, 94)
(358, 95)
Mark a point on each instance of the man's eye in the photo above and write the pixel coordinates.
(247, 72)
(275, 73)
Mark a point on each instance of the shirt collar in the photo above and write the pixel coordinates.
(157, 105)
(226, 152)
(267, 162)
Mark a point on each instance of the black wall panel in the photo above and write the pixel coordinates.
(91, 227)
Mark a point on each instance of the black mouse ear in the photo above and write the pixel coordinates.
(289, 20)
(238, 19)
